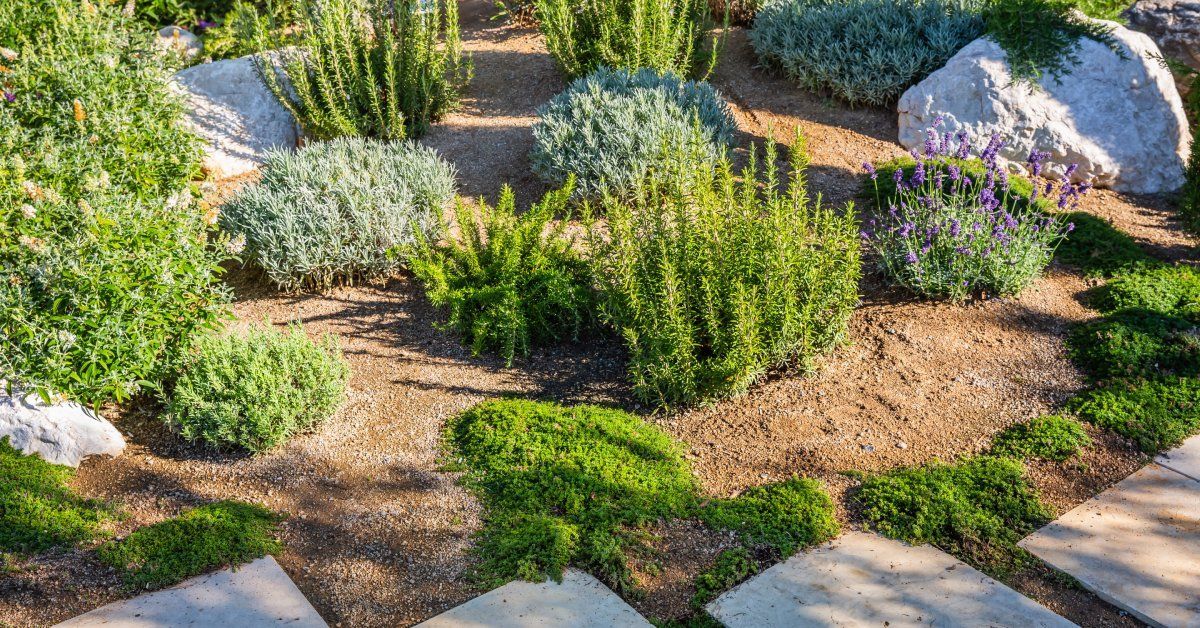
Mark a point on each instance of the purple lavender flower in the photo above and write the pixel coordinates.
(955, 173)
(10, 97)
(898, 176)
(992, 150)
(955, 227)
(911, 258)
(870, 170)
(906, 229)
(1071, 170)
(964, 145)
(918, 177)
(1036, 157)
(1070, 227)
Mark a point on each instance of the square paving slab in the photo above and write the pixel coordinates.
(580, 601)
(1136, 545)
(257, 594)
(1184, 459)
(867, 580)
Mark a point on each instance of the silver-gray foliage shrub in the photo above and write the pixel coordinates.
(863, 51)
(337, 211)
(610, 127)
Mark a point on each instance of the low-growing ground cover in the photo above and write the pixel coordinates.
(378, 535)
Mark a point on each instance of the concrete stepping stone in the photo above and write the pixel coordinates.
(1136, 545)
(864, 579)
(257, 594)
(580, 601)
(1184, 459)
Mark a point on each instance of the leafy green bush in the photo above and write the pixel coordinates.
(1050, 437)
(104, 280)
(977, 508)
(337, 211)
(662, 35)
(183, 13)
(862, 51)
(199, 540)
(1164, 289)
(1157, 413)
(609, 128)
(731, 567)
(566, 485)
(378, 68)
(511, 283)
(713, 281)
(1041, 37)
(249, 28)
(38, 510)
(257, 390)
(786, 515)
(1136, 343)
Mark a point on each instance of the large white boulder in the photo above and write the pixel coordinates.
(1120, 119)
(62, 433)
(236, 114)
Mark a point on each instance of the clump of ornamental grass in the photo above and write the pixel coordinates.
(510, 282)
(609, 128)
(338, 211)
(714, 279)
(661, 35)
(377, 68)
(946, 234)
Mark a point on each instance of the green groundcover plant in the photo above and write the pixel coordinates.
(949, 234)
(580, 486)
(661, 35)
(107, 264)
(256, 390)
(510, 282)
(713, 280)
(1050, 437)
(339, 211)
(377, 68)
(977, 508)
(610, 128)
(200, 540)
(38, 511)
(1156, 413)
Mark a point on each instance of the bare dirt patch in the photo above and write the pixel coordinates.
(378, 535)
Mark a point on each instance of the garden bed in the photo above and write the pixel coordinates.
(377, 531)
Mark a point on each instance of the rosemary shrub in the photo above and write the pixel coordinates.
(510, 282)
(662, 35)
(713, 279)
(377, 68)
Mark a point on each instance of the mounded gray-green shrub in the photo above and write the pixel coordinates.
(254, 391)
(863, 51)
(338, 211)
(610, 127)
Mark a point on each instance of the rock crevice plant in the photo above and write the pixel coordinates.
(376, 68)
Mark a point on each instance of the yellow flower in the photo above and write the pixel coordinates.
(32, 190)
(8, 54)
(37, 245)
(80, 114)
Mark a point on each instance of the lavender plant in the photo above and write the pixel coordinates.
(948, 234)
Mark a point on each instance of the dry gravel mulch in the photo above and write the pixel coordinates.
(378, 535)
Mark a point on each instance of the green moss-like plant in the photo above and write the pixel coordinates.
(1156, 413)
(731, 567)
(1050, 437)
(38, 511)
(786, 516)
(1168, 290)
(200, 540)
(1136, 343)
(566, 485)
(256, 390)
(511, 283)
(977, 508)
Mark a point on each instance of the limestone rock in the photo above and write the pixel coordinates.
(236, 114)
(61, 433)
(180, 40)
(1120, 119)
(1173, 24)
